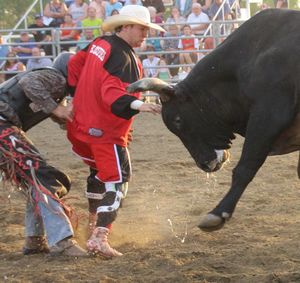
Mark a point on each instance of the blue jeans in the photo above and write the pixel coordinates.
(51, 221)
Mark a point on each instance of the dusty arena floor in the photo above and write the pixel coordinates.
(157, 226)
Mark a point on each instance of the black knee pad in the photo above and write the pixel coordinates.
(95, 188)
(93, 205)
(108, 208)
(106, 218)
(95, 191)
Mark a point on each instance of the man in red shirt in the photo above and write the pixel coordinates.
(103, 114)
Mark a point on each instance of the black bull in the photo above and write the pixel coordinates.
(249, 85)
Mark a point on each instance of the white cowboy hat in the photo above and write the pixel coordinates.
(130, 15)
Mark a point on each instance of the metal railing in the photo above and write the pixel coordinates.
(56, 43)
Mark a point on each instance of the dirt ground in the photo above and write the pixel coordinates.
(157, 226)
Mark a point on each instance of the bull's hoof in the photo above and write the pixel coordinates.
(211, 222)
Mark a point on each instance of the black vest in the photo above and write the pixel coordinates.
(12, 94)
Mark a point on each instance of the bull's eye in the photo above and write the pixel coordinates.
(177, 122)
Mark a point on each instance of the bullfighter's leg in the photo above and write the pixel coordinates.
(113, 164)
(264, 126)
(95, 193)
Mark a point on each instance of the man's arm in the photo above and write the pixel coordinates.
(75, 66)
(44, 88)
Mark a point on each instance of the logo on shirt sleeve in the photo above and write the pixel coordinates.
(98, 51)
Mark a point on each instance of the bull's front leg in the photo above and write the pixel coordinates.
(262, 130)
(241, 177)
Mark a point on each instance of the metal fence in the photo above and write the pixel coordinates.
(216, 33)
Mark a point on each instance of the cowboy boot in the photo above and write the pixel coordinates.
(68, 247)
(35, 245)
(98, 243)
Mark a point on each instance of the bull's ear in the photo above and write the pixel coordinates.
(164, 90)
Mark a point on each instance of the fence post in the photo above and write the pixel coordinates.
(216, 32)
(56, 37)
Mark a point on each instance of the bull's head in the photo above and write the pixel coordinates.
(188, 121)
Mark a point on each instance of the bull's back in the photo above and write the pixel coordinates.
(269, 41)
(267, 29)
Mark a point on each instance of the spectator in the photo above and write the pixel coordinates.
(111, 5)
(92, 21)
(99, 5)
(114, 12)
(220, 29)
(41, 35)
(158, 5)
(39, 61)
(3, 50)
(12, 65)
(78, 10)
(184, 6)
(263, 6)
(280, 4)
(163, 71)
(206, 4)
(172, 45)
(214, 8)
(188, 44)
(85, 38)
(175, 17)
(69, 2)
(151, 61)
(133, 2)
(68, 34)
(55, 11)
(25, 44)
(154, 40)
(198, 20)
(155, 18)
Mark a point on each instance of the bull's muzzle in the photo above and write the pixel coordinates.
(217, 163)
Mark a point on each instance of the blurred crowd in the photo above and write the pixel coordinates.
(80, 21)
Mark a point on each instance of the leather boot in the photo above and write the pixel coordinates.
(35, 245)
(68, 247)
(98, 243)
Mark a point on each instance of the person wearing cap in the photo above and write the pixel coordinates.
(41, 35)
(24, 48)
(25, 100)
(103, 115)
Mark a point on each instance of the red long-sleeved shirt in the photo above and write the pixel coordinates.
(100, 73)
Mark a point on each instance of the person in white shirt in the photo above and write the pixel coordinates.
(150, 61)
(39, 61)
(198, 20)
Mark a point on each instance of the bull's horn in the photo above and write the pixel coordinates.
(162, 88)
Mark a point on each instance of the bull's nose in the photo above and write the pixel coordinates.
(206, 167)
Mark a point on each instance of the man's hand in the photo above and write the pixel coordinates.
(150, 107)
(64, 112)
(130, 135)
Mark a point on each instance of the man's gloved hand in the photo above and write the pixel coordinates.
(130, 138)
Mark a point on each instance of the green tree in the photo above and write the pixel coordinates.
(12, 10)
